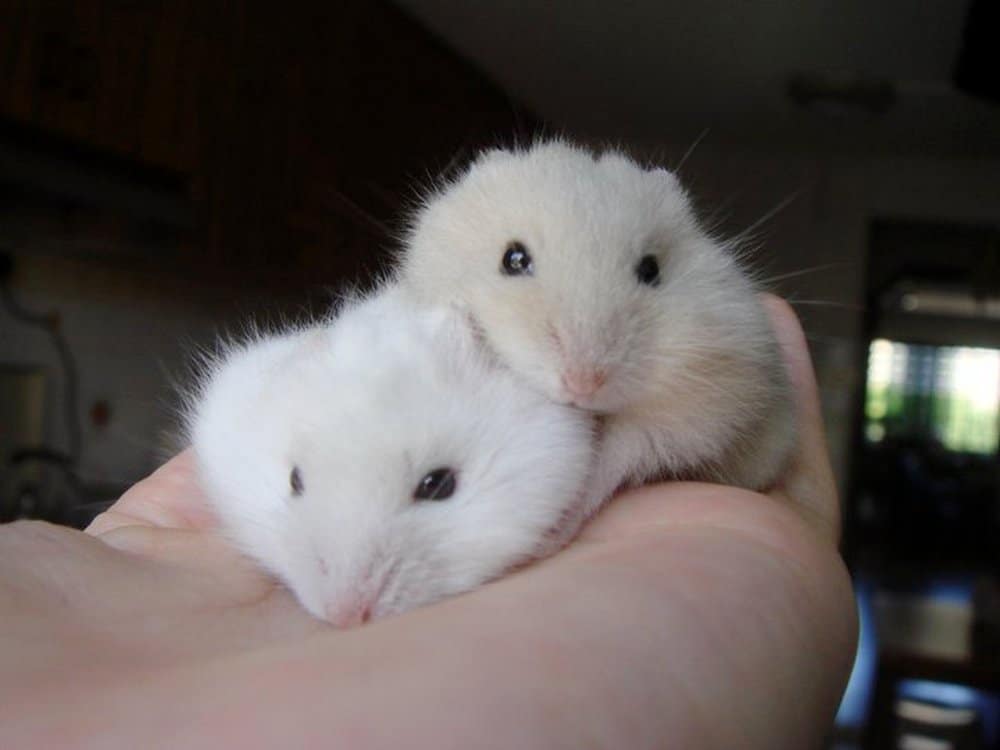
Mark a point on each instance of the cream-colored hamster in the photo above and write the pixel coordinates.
(384, 460)
(590, 276)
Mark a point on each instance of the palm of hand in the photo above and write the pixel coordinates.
(716, 581)
(707, 615)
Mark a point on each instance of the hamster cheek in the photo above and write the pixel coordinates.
(419, 587)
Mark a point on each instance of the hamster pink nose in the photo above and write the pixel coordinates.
(349, 614)
(584, 382)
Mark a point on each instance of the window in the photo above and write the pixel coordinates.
(950, 394)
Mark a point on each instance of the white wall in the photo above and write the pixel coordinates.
(131, 333)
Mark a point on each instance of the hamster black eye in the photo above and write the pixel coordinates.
(295, 480)
(648, 271)
(436, 485)
(517, 261)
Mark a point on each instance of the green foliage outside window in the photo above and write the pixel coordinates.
(954, 399)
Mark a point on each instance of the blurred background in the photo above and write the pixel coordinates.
(169, 170)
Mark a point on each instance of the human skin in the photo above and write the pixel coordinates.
(686, 615)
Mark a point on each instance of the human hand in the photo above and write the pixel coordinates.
(686, 615)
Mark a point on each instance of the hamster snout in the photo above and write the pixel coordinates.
(346, 594)
(348, 614)
(356, 607)
(582, 383)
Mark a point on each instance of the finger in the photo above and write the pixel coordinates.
(808, 480)
(170, 497)
(189, 548)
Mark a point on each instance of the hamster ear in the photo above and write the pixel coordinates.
(665, 177)
(670, 188)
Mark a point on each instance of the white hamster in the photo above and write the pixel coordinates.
(384, 460)
(590, 276)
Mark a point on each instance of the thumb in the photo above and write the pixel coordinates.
(808, 482)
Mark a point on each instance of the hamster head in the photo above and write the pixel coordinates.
(583, 271)
(382, 462)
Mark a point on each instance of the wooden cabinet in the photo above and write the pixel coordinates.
(119, 75)
(298, 130)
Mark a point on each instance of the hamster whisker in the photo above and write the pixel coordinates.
(826, 303)
(770, 280)
(784, 203)
(352, 207)
(690, 150)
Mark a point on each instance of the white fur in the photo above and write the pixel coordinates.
(365, 406)
(695, 382)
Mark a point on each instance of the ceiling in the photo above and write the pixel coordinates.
(665, 71)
